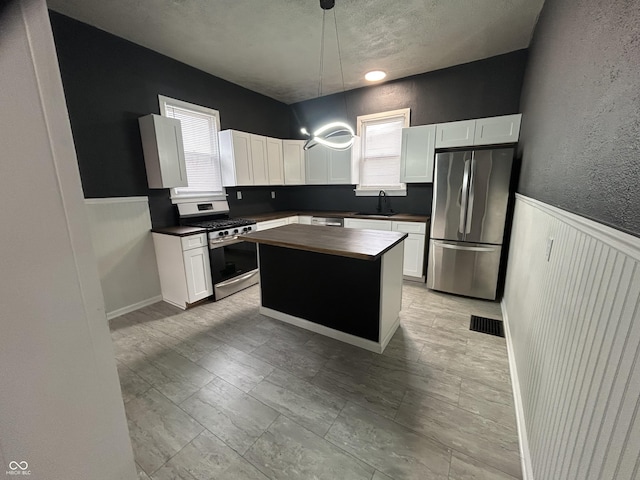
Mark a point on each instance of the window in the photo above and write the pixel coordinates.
(381, 141)
(200, 126)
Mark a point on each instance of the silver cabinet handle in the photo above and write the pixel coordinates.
(237, 280)
(468, 249)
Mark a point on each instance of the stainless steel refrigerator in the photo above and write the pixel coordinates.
(470, 197)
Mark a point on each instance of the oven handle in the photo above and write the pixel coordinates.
(238, 279)
(223, 243)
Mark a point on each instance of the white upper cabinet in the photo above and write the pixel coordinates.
(163, 151)
(325, 166)
(275, 164)
(482, 131)
(259, 159)
(293, 159)
(417, 154)
(455, 134)
(317, 165)
(235, 158)
(492, 130)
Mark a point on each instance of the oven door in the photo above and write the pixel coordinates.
(234, 266)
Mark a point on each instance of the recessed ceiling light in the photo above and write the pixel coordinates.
(375, 75)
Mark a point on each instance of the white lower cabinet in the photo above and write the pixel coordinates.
(304, 219)
(183, 265)
(267, 224)
(414, 244)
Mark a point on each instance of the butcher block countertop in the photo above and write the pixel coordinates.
(398, 217)
(179, 231)
(345, 242)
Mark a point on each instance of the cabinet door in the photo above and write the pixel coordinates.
(279, 222)
(163, 151)
(198, 274)
(494, 130)
(414, 255)
(259, 160)
(339, 167)
(293, 158)
(242, 158)
(368, 224)
(418, 150)
(317, 165)
(304, 219)
(455, 134)
(275, 163)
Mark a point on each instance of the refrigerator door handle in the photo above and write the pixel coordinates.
(467, 249)
(465, 197)
(469, 209)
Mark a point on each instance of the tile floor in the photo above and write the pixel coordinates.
(221, 392)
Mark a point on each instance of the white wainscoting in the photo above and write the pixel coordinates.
(120, 231)
(573, 332)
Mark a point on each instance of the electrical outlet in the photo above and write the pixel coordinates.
(239, 195)
(273, 194)
(549, 247)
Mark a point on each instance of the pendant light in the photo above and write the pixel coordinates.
(325, 135)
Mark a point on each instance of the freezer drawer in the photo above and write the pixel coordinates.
(469, 269)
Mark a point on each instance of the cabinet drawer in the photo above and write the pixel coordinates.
(455, 134)
(409, 227)
(194, 241)
(367, 224)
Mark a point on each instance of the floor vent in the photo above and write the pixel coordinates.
(487, 325)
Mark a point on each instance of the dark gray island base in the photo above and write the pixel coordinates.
(342, 283)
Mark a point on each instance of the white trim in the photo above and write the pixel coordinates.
(131, 308)
(401, 112)
(625, 243)
(187, 106)
(369, 192)
(525, 452)
(109, 200)
(193, 198)
(370, 345)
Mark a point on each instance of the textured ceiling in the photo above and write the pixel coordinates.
(273, 46)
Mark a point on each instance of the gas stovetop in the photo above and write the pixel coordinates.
(221, 224)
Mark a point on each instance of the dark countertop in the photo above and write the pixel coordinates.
(398, 217)
(179, 231)
(345, 242)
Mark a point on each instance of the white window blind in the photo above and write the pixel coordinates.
(381, 136)
(200, 128)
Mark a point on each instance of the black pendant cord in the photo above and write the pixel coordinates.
(324, 12)
(344, 94)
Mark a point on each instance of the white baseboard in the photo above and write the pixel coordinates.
(134, 307)
(376, 347)
(525, 453)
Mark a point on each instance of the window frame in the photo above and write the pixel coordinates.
(175, 196)
(392, 190)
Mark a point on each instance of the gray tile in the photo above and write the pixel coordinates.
(312, 407)
(301, 363)
(131, 384)
(158, 429)
(235, 417)
(207, 457)
(417, 376)
(236, 367)
(288, 451)
(378, 475)
(173, 375)
(459, 429)
(236, 338)
(464, 467)
(491, 403)
(403, 347)
(435, 336)
(391, 448)
(362, 388)
(141, 473)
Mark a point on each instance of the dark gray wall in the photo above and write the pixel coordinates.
(580, 140)
(110, 82)
(484, 88)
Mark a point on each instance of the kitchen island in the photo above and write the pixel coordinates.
(342, 283)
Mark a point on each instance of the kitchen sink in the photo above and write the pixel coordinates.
(369, 214)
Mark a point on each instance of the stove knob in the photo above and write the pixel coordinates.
(245, 229)
(226, 233)
(220, 234)
(249, 228)
(235, 231)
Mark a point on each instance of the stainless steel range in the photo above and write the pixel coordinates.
(234, 262)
